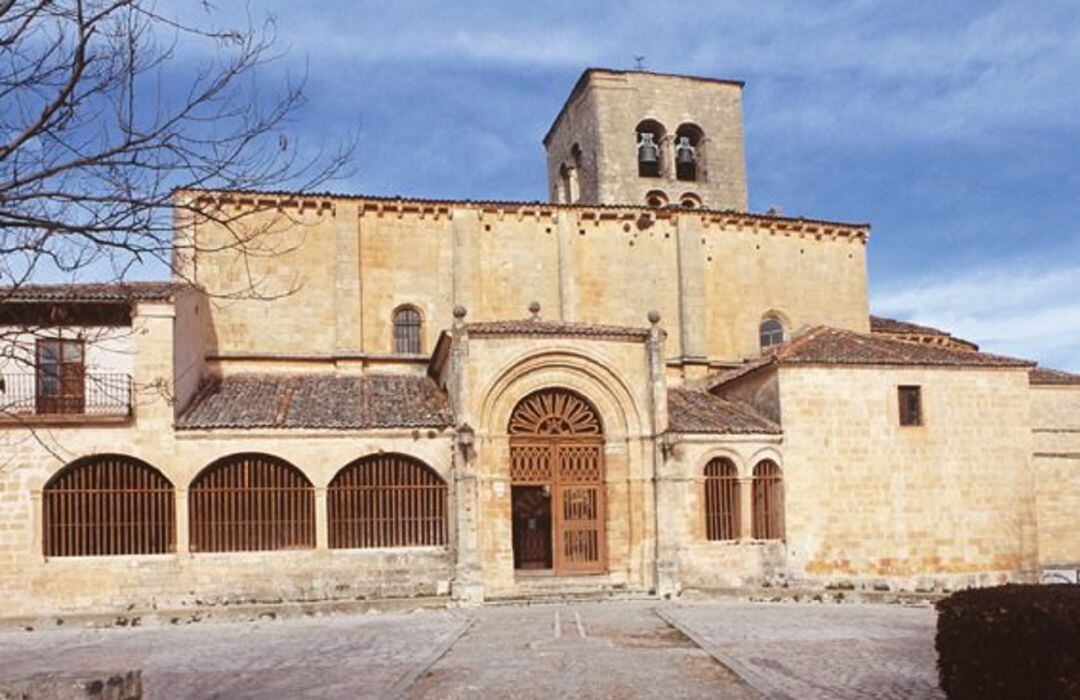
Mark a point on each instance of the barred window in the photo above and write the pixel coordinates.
(108, 505)
(768, 501)
(387, 500)
(407, 327)
(721, 500)
(251, 502)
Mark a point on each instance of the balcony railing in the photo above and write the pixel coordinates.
(30, 395)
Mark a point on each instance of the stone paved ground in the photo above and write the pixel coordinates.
(601, 650)
(357, 656)
(802, 651)
(594, 650)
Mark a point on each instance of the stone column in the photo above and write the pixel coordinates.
(467, 586)
(183, 523)
(322, 525)
(746, 508)
(666, 485)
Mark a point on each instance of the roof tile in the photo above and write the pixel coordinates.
(700, 412)
(319, 401)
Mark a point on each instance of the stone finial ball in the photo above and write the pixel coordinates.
(459, 311)
(654, 316)
(534, 307)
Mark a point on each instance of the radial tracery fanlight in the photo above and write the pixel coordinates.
(554, 412)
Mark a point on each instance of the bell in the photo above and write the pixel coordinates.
(684, 152)
(647, 150)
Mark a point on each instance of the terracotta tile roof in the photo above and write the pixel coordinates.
(700, 412)
(913, 331)
(91, 291)
(555, 328)
(823, 345)
(319, 401)
(1045, 375)
(880, 324)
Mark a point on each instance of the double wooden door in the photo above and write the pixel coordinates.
(572, 469)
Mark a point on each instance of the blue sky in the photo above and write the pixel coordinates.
(954, 128)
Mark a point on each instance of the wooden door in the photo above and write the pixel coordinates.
(556, 443)
(61, 377)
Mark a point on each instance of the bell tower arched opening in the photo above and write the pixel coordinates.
(557, 484)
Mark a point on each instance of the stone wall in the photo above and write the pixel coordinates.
(713, 564)
(952, 500)
(1056, 431)
(31, 584)
(346, 264)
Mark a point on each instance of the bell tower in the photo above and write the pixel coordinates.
(635, 137)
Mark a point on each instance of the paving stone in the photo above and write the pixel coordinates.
(802, 651)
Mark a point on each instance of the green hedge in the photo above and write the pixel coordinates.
(1010, 642)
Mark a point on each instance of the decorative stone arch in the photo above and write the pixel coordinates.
(587, 376)
(722, 452)
(569, 368)
(767, 452)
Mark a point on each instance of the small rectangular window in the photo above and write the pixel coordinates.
(910, 405)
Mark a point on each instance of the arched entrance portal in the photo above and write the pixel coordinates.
(557, 484)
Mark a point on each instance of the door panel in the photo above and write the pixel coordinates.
(580, 529)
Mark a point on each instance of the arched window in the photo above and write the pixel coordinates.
(108, 505)
(721, 500)
(689, 153)
(387, 500)
(649, 141)
(656, 198)
(574, 187)
(250, 503)
(407, 327)
(771, 332)
(690, 200)
(768, 501)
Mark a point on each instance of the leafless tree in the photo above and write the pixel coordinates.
(107, 107)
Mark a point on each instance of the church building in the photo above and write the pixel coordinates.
(637, 388)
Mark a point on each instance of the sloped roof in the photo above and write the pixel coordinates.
(892, 326)
(91, 291)
(1047, 376)
(692, 411)
(555, 328)
(880, 324)
(823, 345)
(319, 401)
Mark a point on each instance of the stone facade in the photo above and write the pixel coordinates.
(606, 300)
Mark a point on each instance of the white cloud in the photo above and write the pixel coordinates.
(1025, 310)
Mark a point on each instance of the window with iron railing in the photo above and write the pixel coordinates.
(47, 392)
(721, 500)
(768, 501)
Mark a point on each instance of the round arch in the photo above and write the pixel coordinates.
(567, 368)
(387, 499)
(108, 504)
(251, 501)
